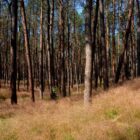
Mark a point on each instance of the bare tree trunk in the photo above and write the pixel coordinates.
(0, 51)
(51, 49)
(27, 50)
(138, 38)
(118, 41)
(103, 44)
(68, 51)
(94, 43)
(19, 64)
(53, 94)
(41, 52)
(108, 36)
(62, 46)
(88, 51)
(0, 69)
(113, 42)
(14, 52)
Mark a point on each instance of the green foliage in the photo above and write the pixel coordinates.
(112, 113)
(55, 89)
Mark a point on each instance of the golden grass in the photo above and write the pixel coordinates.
(113, 115)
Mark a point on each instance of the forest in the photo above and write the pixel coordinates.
(72, 61)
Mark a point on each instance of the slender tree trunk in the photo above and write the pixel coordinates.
(62, 46)
(88, 51)
(19, 65)
(0, 69)
(0, 51)
(27, 50)
(41, 52)
(103, 44)
(51, 49)
(53, 93)
(113, 42)
(118, 41)
(68, 51)
(138, 38)
(94, 43)
(14, 52)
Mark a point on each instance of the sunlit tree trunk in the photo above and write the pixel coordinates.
(88, 51)
(27, 50)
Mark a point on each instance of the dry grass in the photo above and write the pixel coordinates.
(113, 115)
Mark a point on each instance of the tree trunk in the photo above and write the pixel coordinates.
(113, 42)
(62, 47)
(88, 51)
(94, 43)
(103, 46)
(68, 50)
(14, 52)
(51, 49)
(27, 51)
(138, 38)
(41, 52)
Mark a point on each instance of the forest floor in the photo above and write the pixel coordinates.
(113, 115)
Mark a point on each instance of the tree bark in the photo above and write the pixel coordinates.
(41, 52)
(103, 46)
(113, 42)
(14, 15)
(88, 51)
(94, 43)
(27, 50)
(138, 38)
(62, 46)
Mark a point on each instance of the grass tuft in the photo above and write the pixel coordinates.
(112, 113)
